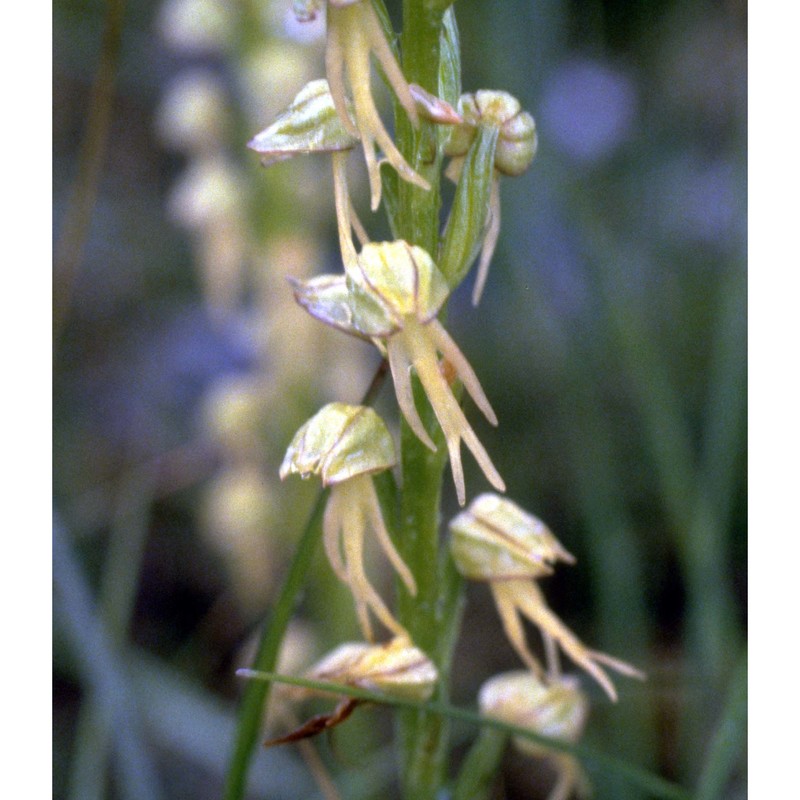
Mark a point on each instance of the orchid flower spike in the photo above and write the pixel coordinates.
(397, 669)
(517, 142)
(495, 541)
(392, 295)
(345, 445)
(355, 32)
(556, 709)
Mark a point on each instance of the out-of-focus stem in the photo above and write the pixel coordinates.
(75, 227)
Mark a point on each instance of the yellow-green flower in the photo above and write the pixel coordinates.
(354, 33)
(557, 709)
(345, 445)
(494, 540)
(392, 294)
(397, 669)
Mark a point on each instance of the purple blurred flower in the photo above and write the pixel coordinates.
(588, 109)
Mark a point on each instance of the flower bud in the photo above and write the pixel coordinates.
(517, 142)
(397, 669)
(557, 709)
(494, 539)
(309, 125)
(433, 108)
(339, 442)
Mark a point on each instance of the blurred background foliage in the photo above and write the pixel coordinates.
(611, 341)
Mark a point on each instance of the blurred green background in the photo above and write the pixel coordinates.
(611, 341)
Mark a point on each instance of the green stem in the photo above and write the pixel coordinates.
(78, 215)
(432, 616)
(419, 209)
(480, 766)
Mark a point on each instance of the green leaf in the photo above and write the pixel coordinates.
(450, 63)
(466, 225)
(439, 5)
(728, 744)
(480, 766)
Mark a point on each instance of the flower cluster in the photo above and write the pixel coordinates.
(391, 293)
(495, 541)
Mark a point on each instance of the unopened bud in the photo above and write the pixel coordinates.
(517, 142)
(433, 108)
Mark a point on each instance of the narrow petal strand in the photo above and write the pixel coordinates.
(334, 69)
(532, 604)
(365, 595)
(331, 530)
(385, 541)
(512, 625)
(489, 241)
(383, 52)
(450, 350)
(400, 365)
(419, 343)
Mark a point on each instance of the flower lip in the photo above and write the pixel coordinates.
(339, 442)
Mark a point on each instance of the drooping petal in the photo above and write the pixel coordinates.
(373, 511)
(489, 242)
(400, 365)
(354, 31)
(332, 522)
(353, 508)
(454, 425)
(529, 600)
(450, 350)
(512, 625)
(391, 69)
(343, 210)
(363, 592)
(334, 70)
